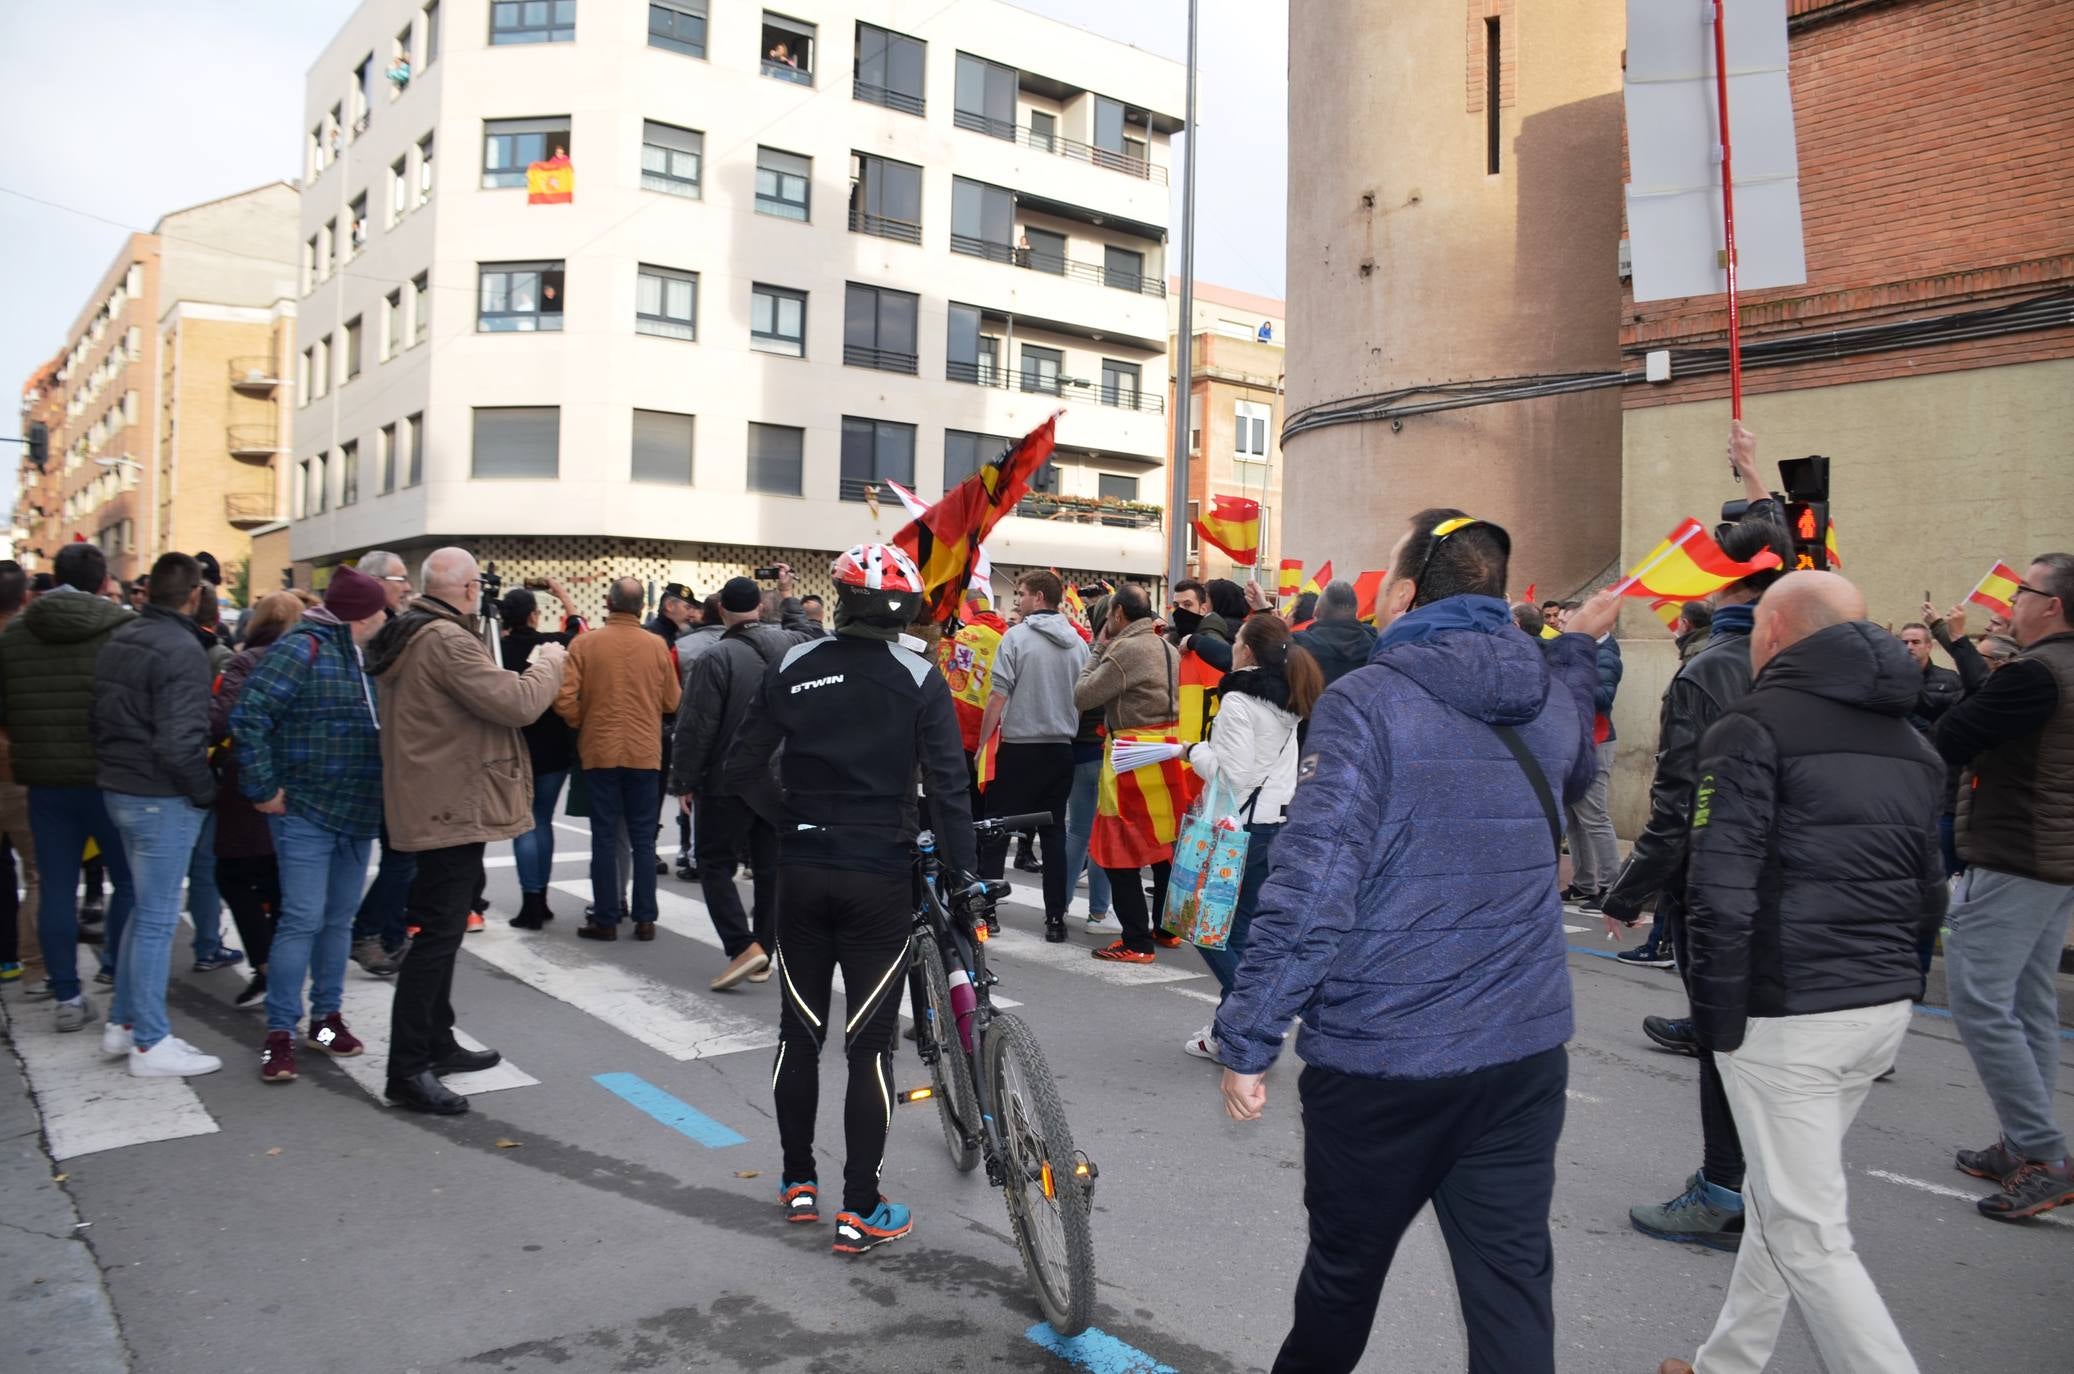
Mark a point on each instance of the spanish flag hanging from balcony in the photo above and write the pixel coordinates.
(1997, 590)
(1289, 578)
(552, 182)
(1317, 580)
(1233, 525)
(944, 540)
(1688, 565)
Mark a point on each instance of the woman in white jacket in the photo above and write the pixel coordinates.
(1269, 693)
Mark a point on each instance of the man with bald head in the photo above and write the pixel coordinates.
(1814, 868)
(456, 776)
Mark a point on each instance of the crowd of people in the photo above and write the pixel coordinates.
(1825, 802)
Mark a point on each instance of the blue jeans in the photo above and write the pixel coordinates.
(63, 819)
(1224, 963)
(1080, 824)
(535, 850)
(382, 915)
(631, 797)
(321, 875)
(158, 839)
(204, 903)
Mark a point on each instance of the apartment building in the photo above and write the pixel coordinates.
(1235, 419)
(165, 410)
(788, 259)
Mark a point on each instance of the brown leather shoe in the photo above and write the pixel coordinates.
(591, 930)
(644, 930)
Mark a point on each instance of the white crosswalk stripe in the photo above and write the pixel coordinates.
(366, 1008)
(90, 1103)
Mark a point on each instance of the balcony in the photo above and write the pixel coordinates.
(248, 509)
(253, 442)
(1089, 510)
(881, 227)
(986, 372)
(878, 359)
(257, 375)
(1069, 148)
(892, 100)
(1121, 279)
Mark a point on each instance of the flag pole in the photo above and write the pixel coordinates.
(1184, 397)
(1728, 220)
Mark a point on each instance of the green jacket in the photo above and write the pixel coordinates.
(47, 658)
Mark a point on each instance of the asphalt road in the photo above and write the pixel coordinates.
(563, 1225)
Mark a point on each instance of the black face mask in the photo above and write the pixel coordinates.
(1187, 622)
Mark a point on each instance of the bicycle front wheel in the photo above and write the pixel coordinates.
(1048, 1200)
(950, 1070)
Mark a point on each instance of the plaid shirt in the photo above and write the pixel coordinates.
(305, 725)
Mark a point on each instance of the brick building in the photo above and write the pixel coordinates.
(1234, 417)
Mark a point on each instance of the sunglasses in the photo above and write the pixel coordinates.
(1446, 530)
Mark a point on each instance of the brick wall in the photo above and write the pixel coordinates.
(1934, 140)
(1476, 53)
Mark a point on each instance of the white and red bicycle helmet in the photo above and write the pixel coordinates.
(878, 584)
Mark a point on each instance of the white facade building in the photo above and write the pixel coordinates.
(806, 253)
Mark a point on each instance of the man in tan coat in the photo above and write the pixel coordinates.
(619, 685)
(455, 777)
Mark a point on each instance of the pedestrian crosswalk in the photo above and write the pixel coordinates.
(89, 1102)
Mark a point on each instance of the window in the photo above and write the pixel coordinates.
(392, 324)
(971, 356)
(1110, 487)
(879, 328)
(399, 188)
(316, 491)
(1491, 51)
(508, 145)
(1249, 431)
(662, 447)
(788, 49)
(774, 459)
(1109, 148)
(875, 451)
(982, 220)
(782, 183)
(964, 451)
(399, 71)
(356, 220)
(671, 158)
(424, 169)
(1044, 131)
(327, 248)
(666, 303)
(517, 441)
(305, 375)
(420, 307)
(320, 369)
(1046, 251)
(679, 25)
(520, 297)
(352, 348)
(414, 442)
(313, 154)
(312, 265)
(385, 459)
(532, 21)
(1123, 268)
(985, 100)
(348, 473)
(885, 198)
(363, 93)
(889, 69)
(1041, 369)
(1120, 384)
(778, 320)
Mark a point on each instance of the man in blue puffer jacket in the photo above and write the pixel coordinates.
(1412, 919)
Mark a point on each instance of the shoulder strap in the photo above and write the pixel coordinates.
(1542, 793)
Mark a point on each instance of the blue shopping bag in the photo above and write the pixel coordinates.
(1209, 863)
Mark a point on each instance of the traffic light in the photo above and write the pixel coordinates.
(1809, 523)
(39, 443)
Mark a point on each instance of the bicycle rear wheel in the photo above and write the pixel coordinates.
(957, 1101)
(1048, 1200)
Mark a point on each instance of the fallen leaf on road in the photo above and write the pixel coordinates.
(748, 1173)
(276, 1150)
(507, 1144)
(59, 1178)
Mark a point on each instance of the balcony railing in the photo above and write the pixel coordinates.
(855, 488)
(252, 441)
(785, 71)
(984, 373)
(857, 355)
(1121, 279)
(246, 508)
(254, 374)
(1074, 149)
(1088, 510)
(892, 100)
(989, 373)
(882, 227)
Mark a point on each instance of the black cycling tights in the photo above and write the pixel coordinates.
(860, 922)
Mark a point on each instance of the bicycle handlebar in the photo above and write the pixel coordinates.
(1033, 820)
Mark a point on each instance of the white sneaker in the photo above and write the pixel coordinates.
(172, 1057)
(117, 1041)
(1203, 1045)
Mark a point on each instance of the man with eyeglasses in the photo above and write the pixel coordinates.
(380, 930)
(2009, 919)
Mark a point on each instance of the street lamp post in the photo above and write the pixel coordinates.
(1184, 334)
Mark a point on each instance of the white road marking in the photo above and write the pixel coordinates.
(1576, 1096)
(90, 1103)
(1959, 1194)
(366, 1008)
(1199, 995)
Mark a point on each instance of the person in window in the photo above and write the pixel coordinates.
(781, 54)
(399, 70)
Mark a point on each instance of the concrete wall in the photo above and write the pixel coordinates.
(236, 251)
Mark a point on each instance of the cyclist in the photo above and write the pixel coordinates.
(829, 754)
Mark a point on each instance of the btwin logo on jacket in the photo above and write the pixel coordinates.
(799, 687)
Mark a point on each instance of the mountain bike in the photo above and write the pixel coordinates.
(993, 1092)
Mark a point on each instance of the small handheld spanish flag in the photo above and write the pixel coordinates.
(1997, 589)
(1688, 565)
(1233, 525)
(1289, 578)
(1317, 580)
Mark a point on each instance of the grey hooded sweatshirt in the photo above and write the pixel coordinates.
(1036, 667)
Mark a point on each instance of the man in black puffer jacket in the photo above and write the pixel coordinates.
(1814, 869)
(1337, 638)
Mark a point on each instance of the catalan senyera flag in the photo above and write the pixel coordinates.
(1836, 560)
(1289, 578)
(1199, 698)
(1317, 580)
(1368, 589)
(1138, 813)
(1688, 565)
(1997, 589)
(551, 182)
(944, 540)
(1233, 525)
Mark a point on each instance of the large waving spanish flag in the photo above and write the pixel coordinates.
(1997, 590)
(1688, 565)
(1233, 525)
(944, 540)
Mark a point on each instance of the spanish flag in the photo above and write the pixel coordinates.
(1198, 694)
(1290, 578)
(1074, 602)
(1233, 525)
(944, 540)
(1318, 579)
(1668, 609)
(1836, 560)
(1138, 812)
(1688, 565)
(1998, 589)
(1368, 589)
(552, 182)
(987, 762)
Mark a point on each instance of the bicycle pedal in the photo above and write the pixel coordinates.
(916, 1095)
(1084, 1168)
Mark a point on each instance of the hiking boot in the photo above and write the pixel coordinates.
(1121, 953)
(750, 960)
(802, 1201)
(172, 1057)
(855, 1234)
(254, 989)
(277, 1058)
(1701, 1215)
(2035, 1188)
(1677, 1036)
(117, 1041)
(224, 957)
(369, 955)
(330, 1035)
(1647, 956)
(74, 1015)
(1995, 1164)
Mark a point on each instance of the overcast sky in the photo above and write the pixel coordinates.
(118, 111)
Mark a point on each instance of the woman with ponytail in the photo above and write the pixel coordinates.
(1268, 695)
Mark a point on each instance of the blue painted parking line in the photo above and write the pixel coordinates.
(1096, 1351)
(1595, 953)
(681, 1117)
